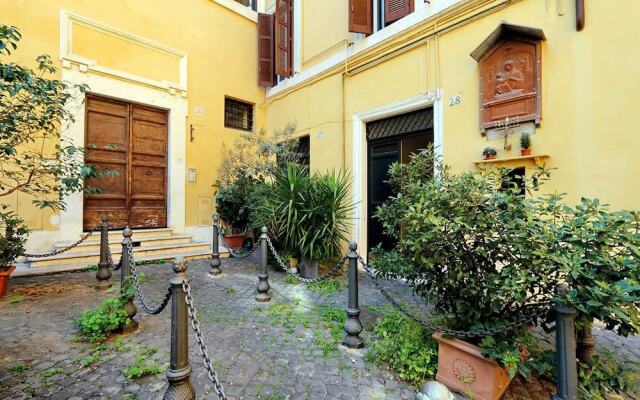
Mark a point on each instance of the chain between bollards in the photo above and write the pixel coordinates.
(103, 275)
(215, 250)
(566, 364)
(353, 326)
(263, 295)
(126, 284)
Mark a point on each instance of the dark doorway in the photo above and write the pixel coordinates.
(391, 140)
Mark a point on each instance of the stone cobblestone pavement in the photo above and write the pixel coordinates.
(278, 350)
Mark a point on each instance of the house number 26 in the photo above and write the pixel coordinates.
(455, 100)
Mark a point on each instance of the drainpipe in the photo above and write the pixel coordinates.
(580, 15)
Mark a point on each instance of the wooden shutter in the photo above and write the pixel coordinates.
(284, 29)
(361, 16)
(396, 9)
(266, 74)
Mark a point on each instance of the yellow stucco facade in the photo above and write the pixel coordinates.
(190, 54)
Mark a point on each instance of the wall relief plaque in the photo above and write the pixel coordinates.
(510, 75)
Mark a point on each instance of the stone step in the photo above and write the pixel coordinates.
(92, 257)
(24, 270)
(93, 243)
(137, 233)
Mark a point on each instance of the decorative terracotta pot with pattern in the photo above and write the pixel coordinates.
(4, 280)
(463, 368)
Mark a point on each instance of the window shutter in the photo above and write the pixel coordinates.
(284, 28)
(361, 16)
(396, 9)
(266, 75)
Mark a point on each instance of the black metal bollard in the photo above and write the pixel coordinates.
(215, 250)
(179, 373)
(104, 271)
(353, 326)
(126, 286)
(263, 295)
(567, 369)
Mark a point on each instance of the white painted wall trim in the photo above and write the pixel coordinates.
(239, 9)
(359, 149)
(68, 19)
(420, 15)
(70, 221)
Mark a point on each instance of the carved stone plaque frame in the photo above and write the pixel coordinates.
(510, 76)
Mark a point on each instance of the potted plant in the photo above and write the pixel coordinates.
(463, 243)
(308, 214)
(525, 144)
(234, 209)
(489, 153)
(12, 241)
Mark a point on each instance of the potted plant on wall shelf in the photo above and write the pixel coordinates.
(489, 153)
(525, 144)
(12, 241)
(464, 246)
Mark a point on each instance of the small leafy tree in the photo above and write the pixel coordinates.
(35, 158)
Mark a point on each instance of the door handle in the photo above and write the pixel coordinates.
(148, 172)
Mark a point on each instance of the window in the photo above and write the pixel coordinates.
(304, 150)
(275, 44)
(514, 180)
(238, 114)
(364, 14)
(253, 4)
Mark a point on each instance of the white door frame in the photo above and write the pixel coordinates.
(359, 150)
(70, 224)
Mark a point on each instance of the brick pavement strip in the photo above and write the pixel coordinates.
(278, 350)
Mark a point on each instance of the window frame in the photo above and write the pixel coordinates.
(251, 108)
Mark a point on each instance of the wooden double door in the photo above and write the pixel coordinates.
(130, 141)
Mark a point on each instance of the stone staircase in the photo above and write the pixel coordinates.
(149, 244)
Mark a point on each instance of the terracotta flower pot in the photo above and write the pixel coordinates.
(489, 157)
(234, 240)
(462, 368)
(525, 152)
(4, 280)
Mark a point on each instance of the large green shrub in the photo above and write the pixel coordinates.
(309, 214)
(484, 256)
(13, 234)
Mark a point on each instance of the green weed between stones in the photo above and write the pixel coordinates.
(290, 280)
(143, 366)
(405, 347)
(18, 368)
(51, 372)
(94, 325)
(229, 291)
(328, 286)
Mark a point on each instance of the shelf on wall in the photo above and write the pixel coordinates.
(538, 160)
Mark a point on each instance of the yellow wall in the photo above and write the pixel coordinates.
(589, 111)
(221, 48)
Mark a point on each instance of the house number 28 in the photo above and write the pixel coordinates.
(455, 100)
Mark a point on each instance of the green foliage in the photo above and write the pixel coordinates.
(90, 359)
(525, 141)
(36, 159)
(489, 151)
(406, 347)
(18, 368)
(307, 213)
(290, 280)
(328, 286)
(13, 236)
(95, 325)
(600, 258)
(520, 353)
(253, 159)
(51, 372)
(607, 376)
(143, 366)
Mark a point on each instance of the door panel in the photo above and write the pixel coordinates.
(106, 138)
(148, 168)
(382, 153)
(131, 140)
